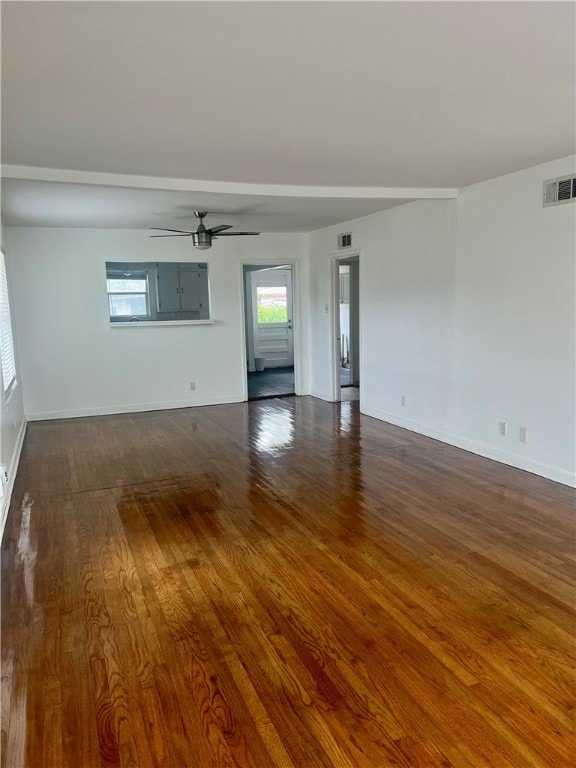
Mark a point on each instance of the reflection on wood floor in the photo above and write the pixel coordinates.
(282, 583)
(349, 393)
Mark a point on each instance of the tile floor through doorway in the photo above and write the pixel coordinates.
(278, 382)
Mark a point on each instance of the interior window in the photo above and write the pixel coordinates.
(157, 292)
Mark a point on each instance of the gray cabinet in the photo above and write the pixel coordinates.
(168, 290)
(190, 281)
(183, 287)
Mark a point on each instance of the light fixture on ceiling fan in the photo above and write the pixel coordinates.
(203, 237)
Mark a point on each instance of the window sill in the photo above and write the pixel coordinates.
(134, 323)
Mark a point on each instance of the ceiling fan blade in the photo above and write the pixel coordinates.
(188, 234)
(232, 234)
(219, 228)
(163, 229)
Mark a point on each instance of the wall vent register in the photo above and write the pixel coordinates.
(559, 191)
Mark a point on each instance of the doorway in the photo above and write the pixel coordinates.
(268, 314)
(346, 361)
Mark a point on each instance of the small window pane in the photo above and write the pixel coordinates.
(127, 304)
(126, 286)
(272, 304)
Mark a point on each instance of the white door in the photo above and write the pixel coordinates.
(272, 314)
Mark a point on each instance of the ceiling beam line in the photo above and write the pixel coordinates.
(59, 175)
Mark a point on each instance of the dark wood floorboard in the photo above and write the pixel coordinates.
(282, 583)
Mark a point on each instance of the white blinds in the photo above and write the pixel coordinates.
(6, 342)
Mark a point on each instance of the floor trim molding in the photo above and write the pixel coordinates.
(485, 450)
(131, 408)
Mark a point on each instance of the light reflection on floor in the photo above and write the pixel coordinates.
(275, 430)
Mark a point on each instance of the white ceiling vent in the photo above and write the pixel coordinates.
(559, 191)
(345, 240)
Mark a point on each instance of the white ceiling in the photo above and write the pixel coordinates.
(348, 94)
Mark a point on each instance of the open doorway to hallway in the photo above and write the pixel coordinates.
(268, 316)
(348, 328)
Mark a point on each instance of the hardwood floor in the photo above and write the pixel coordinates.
(282, 583)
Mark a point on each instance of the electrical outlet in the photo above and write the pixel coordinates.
(523, 434)
(192, 386)
(502, 429)
(403, 401)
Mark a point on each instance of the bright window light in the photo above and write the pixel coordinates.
(6, 340)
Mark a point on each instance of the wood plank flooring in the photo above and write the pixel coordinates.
(282, 583)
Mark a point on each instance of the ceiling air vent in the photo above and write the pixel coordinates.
(345, 240)
(560, 190)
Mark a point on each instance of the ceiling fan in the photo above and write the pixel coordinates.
(203, 237)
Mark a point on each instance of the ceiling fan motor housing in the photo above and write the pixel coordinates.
(202, 240)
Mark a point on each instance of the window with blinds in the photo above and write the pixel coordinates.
(6, 341)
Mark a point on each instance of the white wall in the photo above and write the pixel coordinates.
(74, 363)
(467, 309)
(515, 319)
(406, 281)
(12, 421)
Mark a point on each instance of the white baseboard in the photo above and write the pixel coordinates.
(131, 408)
(548, 471)
(12, 470)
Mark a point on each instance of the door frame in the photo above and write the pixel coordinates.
(334, 320)
(294, 264)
